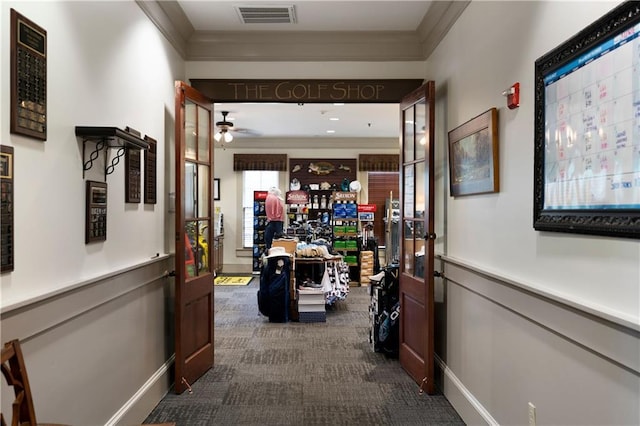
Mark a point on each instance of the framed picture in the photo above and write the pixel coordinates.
(473, 156)
(28, 78)
(216, 189)
(587, 130)
(7, 237)
(132, 177)
(150, 168)
(96, 212)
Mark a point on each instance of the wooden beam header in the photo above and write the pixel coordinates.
(309, 91)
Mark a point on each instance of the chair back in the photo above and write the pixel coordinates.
(15, 374)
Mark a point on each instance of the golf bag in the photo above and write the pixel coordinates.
(385, 312)
(273, 295)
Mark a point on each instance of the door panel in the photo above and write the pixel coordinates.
(194, 271)
(416, 265)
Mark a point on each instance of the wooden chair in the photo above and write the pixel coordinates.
(15, 374)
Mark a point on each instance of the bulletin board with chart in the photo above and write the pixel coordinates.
(587, 130)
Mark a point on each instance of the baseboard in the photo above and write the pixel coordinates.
(467, 406)
(138, 407)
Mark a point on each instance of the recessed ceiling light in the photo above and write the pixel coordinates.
(334, 119)
(331, 131)
(339, 104)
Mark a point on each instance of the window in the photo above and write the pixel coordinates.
(253, 180)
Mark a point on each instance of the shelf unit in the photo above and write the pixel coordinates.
(312, 212)
(259, 226)
(105, 138)
(345, 231)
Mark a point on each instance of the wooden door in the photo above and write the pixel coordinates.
(193, 239)
(416, 235)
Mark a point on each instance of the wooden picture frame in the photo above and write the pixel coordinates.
(586, 148)
(150, 171)
(473, 156)
(216, 189)
(96, 212)
(6, 209)
(28, 78)
(132, 177)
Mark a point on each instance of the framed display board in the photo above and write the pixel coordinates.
(132, 187)
(6, 208)
(313, 172)
(587, 130)
(28, 78)
(150, 191)
(96, 212)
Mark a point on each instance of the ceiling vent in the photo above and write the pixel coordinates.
(267, 14)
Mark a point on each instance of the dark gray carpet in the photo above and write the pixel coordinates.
(300, 373)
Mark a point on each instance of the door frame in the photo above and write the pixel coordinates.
(330, 91)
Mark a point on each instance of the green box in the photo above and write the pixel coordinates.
(351, 260)
(351, 244)
(339, 244)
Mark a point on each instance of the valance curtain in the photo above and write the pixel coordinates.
(272, 162)
(379, 163)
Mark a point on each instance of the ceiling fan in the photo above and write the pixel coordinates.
(223, 129)
(226, 126)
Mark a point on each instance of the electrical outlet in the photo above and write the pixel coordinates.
(532, 415)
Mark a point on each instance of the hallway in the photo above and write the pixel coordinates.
(300, 374)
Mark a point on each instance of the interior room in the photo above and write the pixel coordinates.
(477, 129)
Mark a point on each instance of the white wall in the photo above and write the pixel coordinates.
(492, 46)
(107, 65)
(95, 320)
(525, 316)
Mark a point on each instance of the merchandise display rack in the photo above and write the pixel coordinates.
(345, 232)
(259, 226)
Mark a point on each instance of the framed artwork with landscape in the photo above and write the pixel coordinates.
(473, 156)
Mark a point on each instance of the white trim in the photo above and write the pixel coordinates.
(48, 295)
(465, 393)
(119, 415)
(598, 311)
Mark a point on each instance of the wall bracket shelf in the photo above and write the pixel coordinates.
(105, 138)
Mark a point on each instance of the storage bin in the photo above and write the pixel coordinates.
(312, 317)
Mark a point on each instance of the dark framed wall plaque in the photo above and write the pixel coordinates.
(6, 208)
(28, 78)
(132, 186)
(96, 212)
(150, 195)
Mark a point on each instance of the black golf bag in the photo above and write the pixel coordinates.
(384, 312)
(273, 295)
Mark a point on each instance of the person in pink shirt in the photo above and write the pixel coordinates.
(274, 206)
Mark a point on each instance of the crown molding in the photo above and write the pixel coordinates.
(437, 22)
(371, 46)
(304, 46)
(171, 21)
